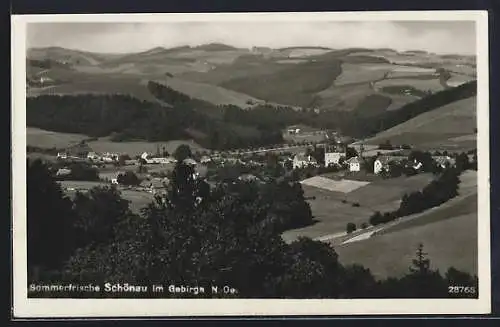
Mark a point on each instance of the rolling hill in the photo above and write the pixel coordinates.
(390, 252)
(449, 126)
(364, 83)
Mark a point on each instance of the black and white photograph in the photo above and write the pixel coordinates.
(250, 164)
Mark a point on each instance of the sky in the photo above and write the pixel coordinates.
(453, 37)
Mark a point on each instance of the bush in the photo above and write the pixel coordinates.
(128, 178)
(364, 225)
(351, 227)
(376, 218)
(344, 201)
(356, 204)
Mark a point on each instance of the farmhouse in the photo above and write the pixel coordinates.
(382, 163)
(301, 161)
(354, 164)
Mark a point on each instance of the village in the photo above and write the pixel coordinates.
(330, 153)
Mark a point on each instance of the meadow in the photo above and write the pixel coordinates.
(432, 85)
(391, 254)
(449, 121)
(333, 210)
(359, 73)
(210, 93)
(79, 83)
(390, 250)
(47, 139)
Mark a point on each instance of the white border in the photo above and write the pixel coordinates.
(61, 308)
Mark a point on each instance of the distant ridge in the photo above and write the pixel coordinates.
(215, 47)
(304, 47)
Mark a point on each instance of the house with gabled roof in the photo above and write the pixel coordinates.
(354, 164)
(302, 160)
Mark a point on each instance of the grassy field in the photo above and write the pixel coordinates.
(243, 67)
(138, 200)
(79, 83)
(210, 93)
(432, 85)
(461, 143)
(459, 79)
(447, 122)
(47, 139)
(342, 185)
(293, 84)
(358, 73)
(449, 242)
(332, 214)
(344, 98)
(389, 252)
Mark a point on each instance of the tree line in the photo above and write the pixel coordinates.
(197, 235)
(438, 191)
(125, 118)
(217, 127)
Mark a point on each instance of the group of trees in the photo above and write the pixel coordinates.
(435, 193)
(101, 115)
(125, 118)
(128, 178)
(79, 171)
(230, 235)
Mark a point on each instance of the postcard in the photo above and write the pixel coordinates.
(250, 164)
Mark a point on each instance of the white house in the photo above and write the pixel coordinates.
(354, 164)
(334, 153)
(62, 155)
(301, 161)
(333, 158)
